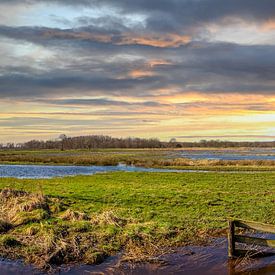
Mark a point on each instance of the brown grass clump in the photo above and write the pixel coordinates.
(56, 205)
(92, 257)
(143, 249)
(70, 215)
(20, 207)
(108, 217)
(30, 230)
(63, 239)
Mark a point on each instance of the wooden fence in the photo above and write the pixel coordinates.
(234, 238)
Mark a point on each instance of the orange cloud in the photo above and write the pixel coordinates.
(169, 40)
(269, 25)
(161, 41)
(140, 73)
(158, 62)
(146, 69)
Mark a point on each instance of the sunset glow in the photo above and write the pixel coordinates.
(132, 68)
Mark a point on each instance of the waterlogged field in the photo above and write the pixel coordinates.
(195, 158)
(87, 218)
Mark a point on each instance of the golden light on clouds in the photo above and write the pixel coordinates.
(161, 41)
(189, 114)
(137, 68)
(140, 73)
(158, 62)
(268, 25)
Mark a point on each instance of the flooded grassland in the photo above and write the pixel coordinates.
(74, 209)
(87, 219)
(194, 158)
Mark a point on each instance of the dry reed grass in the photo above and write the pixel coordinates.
(19, 207)
(70, 215)
(63, 241)
(108, 217)
(144, 249)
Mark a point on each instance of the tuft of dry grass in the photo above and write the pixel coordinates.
(144, 249)
(108, 217)
(70, 215)
(30, 230)
(19, 207)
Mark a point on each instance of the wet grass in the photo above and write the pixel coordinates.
(87, 218)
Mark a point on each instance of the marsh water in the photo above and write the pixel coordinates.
(190, 260)
(49, 171)
(229, 154)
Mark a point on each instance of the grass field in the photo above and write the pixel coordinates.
(87, 218)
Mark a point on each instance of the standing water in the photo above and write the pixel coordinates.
(49, 171)
(189, 260)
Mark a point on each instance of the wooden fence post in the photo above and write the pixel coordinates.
(231, 240)
(248, 240)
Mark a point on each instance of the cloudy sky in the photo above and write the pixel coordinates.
(189, 69)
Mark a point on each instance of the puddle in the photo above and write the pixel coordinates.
(191, 260)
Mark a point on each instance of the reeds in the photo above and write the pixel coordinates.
(144, 158)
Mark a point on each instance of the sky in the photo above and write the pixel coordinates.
(189, 69)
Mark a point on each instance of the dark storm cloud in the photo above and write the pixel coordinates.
(168, 15)
(235, 68)
(88, 58)
(183, 11)
(45, 85)
(93, 35)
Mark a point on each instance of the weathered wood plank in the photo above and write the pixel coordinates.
(255, 226)
(255, 241)
(253, 253)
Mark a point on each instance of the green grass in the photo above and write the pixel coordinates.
(163, 208)
(166, 197)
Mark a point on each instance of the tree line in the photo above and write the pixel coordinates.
(100, 141)
(85, 142)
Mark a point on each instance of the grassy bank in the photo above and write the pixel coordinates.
(87, 218)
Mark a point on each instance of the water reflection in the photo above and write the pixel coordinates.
(191, 260)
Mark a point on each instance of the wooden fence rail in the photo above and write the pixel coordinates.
(234, 238)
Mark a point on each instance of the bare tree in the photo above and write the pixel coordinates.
(63, 139)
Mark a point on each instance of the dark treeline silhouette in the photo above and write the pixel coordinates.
(86, 142)
(100, 141)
